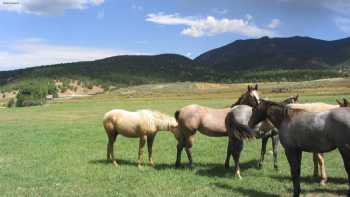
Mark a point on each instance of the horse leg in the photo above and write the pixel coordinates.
(112, 136)
(228, 153)
(322, 168)
(345, 153)
(237, 147)
(150, 140)
(179, 148)
(315, 160)
(141, 147)
(188, 149)
(263, 150)
(294, 160)
(275, 145)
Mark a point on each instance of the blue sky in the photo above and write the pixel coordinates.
(39, 32)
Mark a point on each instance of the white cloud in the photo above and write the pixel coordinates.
(274, 23)
(36, 52)
(189, 54)
(209, 26)
(46, 7)
(339, 6)
(342, 23)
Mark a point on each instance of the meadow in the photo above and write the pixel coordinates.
(59, 149)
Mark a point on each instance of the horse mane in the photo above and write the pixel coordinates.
(156, 118)
(239, 100)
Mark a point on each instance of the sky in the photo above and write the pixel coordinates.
(41, 32)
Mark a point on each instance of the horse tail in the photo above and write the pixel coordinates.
(109, 123)
(243, 131)
(238, 130)
(177, 113)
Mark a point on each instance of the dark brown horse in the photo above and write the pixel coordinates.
(208, 121)
(307, 131)
(267, 130)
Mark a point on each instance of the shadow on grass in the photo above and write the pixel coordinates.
(218, 170)
(244, 191)
(120, 161)
(311, 179)
(131, 163)
(210, 169)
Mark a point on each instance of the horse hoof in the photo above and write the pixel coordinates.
(177, 165)
(140, 167)
(227, 166)
(260, 165)
(323, 182)
(115, 163)
(276, 168)
(152, 164)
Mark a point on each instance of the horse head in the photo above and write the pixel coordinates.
(273, 111)
(290, 100)
(250, 97)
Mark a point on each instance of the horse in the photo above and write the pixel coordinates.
(318, 158)
(267, 130)
(208, 121)
(143, 124)
(236, 123)
(307, 131)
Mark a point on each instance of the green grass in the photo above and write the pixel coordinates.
(59, 150)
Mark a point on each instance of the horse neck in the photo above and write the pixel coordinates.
(276, 115)
(240, 101)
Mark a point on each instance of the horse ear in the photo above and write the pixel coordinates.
(297, 97)
(256, 86)
(249, 88)
(346, 102)
(339, 103)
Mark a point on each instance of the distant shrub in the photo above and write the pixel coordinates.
(32, 94)
(52, 89)
(11, 103)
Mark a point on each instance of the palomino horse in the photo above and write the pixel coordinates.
(236, 124)
(208, 121)
(307, 131)
(143, 124)
(318, 158)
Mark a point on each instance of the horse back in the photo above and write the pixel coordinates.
(208, 121)
(308, 132)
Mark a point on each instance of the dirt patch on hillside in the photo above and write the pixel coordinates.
(76, 88)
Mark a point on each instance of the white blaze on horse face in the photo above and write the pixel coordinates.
(256, 95)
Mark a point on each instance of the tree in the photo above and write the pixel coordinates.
(32, 94)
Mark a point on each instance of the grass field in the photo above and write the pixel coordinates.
(59, 150)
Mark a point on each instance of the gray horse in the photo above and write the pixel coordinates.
(236, 124)
(307, 131)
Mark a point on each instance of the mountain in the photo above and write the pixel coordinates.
(128, 69)
(264, 59)
(282, 53)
